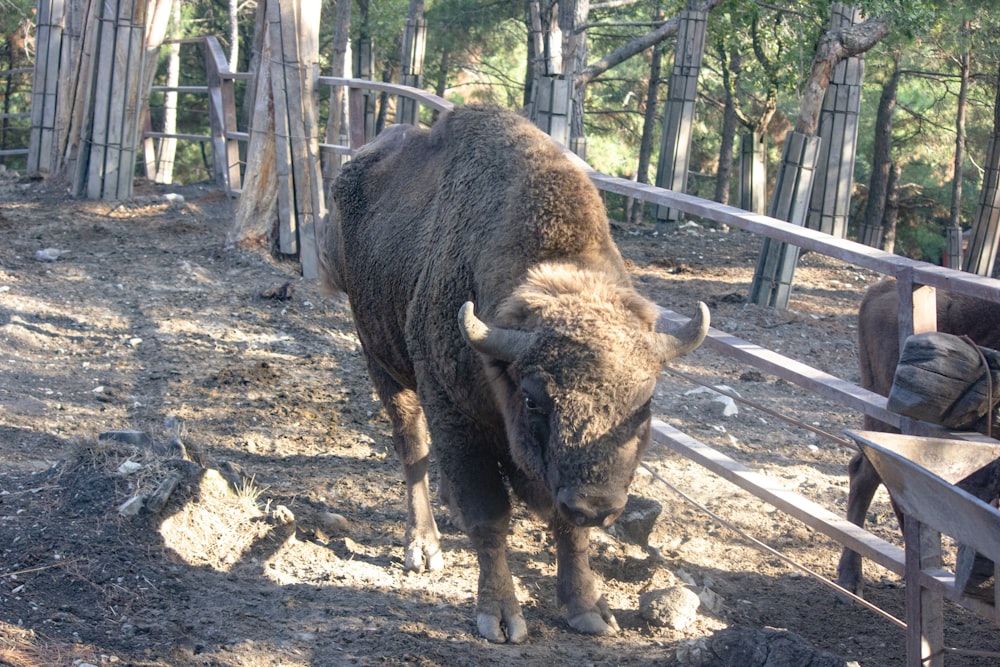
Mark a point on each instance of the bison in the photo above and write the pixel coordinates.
(878, 350)
(500, 328)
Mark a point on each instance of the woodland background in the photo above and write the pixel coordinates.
(927, 115)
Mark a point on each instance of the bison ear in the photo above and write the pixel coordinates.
(503, 344)
(689, 336)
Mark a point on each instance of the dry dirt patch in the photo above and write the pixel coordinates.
(282, 541)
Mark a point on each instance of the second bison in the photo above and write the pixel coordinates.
(499, 323)
(878, 350)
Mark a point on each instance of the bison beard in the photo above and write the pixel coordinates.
(878, 351)
(548, 394)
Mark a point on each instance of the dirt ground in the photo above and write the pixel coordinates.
(281, 543)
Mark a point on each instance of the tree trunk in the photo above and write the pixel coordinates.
(872, 231)
(411, 60)
(834, 46)
(981, 257)
(336, 125)
(830, 202)
(168, 145)
(772, 279)
(572, 16)
(648, 128)
(955, 218)
(891, 210)
(723, 175)
(234, 35)
(678, 112)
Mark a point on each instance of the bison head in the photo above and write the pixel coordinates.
(574, 360)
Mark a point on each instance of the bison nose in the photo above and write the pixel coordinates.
(584, 509)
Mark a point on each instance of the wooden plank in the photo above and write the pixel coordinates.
(933, 500)
(819, 518)
(132, 111)
(815, 516)
(287, 237)
(98, 136)
(76, 105)
(118, 91)
(423, 97)
(859, 254)
(924, 608)
(234, 176)
(312, 205)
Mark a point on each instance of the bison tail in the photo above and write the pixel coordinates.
(329, 247)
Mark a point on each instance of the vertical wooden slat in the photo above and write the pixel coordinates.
(98, 135)
(772, 281)
(924, 624)
(829, 208)
(679, 110)
(307, 172)
(287, 240)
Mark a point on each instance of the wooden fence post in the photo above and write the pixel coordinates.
(982, 252)
(678, 113)
(753, 172)
(414, 40)
(830, 204)
(45, 87)
(362, 115)
(772, 280)
(552, 107)
(288, 107)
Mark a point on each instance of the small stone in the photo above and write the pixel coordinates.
(637, 521)
(675, 607)
(129, 467)
(48, 254)
(282, 515)
(132, 506)
(333, 523)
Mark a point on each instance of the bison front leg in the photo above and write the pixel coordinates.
(498, 613)
(864, 481)
(576, 588)
(478, 495)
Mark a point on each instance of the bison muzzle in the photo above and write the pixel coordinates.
(499, 323)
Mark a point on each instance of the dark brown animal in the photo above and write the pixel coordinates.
(878, 350)
(549, 393)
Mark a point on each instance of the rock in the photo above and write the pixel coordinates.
(49, 254)
(282, 515)
(637, 521)
(675, 607)
(129, 467)
(739, 646)
(332, 523)
(132, 506)
(711, 600)
(721, 406)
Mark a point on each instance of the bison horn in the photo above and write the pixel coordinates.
(502, 344)
(686, 338)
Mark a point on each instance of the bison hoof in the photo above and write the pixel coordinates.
(592, 623)
(420, 559)
(493, 630)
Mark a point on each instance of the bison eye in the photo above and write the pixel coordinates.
(531, 405)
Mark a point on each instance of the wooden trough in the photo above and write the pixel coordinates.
(922, 474)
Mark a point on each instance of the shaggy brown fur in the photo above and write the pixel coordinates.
(878, 355)
(484, 208)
